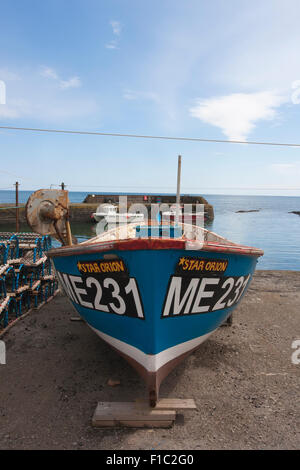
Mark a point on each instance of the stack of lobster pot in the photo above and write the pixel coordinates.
(26, 277)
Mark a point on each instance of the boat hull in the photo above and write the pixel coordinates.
(154, 306)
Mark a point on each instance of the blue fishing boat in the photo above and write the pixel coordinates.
(154, 299)
(154, 293)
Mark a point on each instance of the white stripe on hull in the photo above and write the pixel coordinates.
(152, 362)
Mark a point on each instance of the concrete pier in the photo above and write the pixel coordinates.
(81, 212)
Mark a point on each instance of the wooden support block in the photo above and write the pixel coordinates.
(131, 414)
(134, 424)
(76, 319)
(172, 404)
(176, 404)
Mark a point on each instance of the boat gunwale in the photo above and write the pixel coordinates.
(153, 243)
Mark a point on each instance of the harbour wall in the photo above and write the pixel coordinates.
(81, 212)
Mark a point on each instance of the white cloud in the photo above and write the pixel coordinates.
(283, 166)
(258, 49)
(73, 82)
(112, 45)
(237, 114)
(39, 93)
(116, 27)
(140, 95)
(286, 169)
(49, 73)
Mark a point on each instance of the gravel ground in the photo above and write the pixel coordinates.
(242, 379)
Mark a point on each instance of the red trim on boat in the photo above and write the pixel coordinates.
(153, 244)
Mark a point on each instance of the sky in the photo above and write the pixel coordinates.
(214, 70)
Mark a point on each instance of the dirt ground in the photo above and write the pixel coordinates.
(242, 379)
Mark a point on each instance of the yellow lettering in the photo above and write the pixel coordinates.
(81, 267)
(96, 268)
(191, 264)
(121, 265)
(114, 266)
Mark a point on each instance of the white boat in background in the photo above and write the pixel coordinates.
(110, 214)
(185, 217)
(105, 210)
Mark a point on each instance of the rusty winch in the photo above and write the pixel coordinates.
(47, 213)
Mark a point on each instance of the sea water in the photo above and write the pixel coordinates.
(273, 228)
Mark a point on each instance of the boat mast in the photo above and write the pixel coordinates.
(178, 190)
